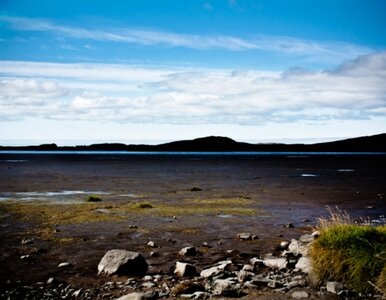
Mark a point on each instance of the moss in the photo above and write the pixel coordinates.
(143, 205)
(350, 253)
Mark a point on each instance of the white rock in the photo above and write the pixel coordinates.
(185, 269)
(151, 244)
(213, 271)
(334, 287)
(243, 276)
(188, 251)
(284, 245)
(298, 247)
(275, 263)
(201, 295)
(304, 264)
(248, 268)
(122, 262)
(316, 234)
(256, 261)
(64, 265)
(300, 295)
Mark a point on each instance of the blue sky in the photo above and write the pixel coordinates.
(124, 71)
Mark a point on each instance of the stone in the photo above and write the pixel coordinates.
(307, 238)
(316, 234)
(290, 225)
(201, 295)
(26, 257)
(185, 269)
(243, 276)
(304, 264)
(248, 268)
(334, 287)
(64, 265)
(77, 293)
(214, 271)
(151, 244)
(27, 241)
(148, 284)
(122, 262)
(275, 263)
(284, 245)
(298, 247)
(244, 236)
(256, 261)
(188, 251)
(225, 287)
(187, 287)
(300, 295)
(140, 296)
(52, 280)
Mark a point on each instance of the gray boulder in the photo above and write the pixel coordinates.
(122, 262)
(304, 264)
(275, 263)
(225, 287)
(334, 287)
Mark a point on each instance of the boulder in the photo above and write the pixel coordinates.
(188, 251)
(334, 287)
(225, 287)
(275, 263)
(122, 262)
(185, 269)
(304, 264)
(243, 276)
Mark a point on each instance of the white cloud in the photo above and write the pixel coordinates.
(116, 93)
(309, 49)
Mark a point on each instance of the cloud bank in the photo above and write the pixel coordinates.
(123, 93)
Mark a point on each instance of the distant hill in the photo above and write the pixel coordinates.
(375, 143)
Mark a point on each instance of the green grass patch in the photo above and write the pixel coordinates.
(350, 253)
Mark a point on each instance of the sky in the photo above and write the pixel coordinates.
(77, 72)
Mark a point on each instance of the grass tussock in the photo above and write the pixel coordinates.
(143, 205)
(350, 253)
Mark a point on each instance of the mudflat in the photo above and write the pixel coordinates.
(172, 200)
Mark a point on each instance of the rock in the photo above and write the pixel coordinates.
(151, 244)
(52, 280)
(27, 241)
(275, 263)
(244, 236)
(122, 262)
(307, 238)
(300, 295)
(225, 287)
(248, 268)
(148, 284)
(284, 245)
(316, 234)
(140, 296)
(26, 257)
(185, 269)
(205, 244)
(154, 254)
(304, 264)
(256, 261)
(64, 265)
(213, 271)
(243, 276)
(298, 247)
(201, 295)
(188, 251)
(133, 226)
(77, 293)
(290, 225)
(273, 284)
(334, 287)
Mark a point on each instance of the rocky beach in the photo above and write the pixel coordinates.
(196, 226)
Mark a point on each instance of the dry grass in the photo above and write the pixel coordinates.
(350, 253)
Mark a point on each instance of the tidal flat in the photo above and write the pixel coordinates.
(175, 201)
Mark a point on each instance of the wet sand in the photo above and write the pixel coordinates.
(279, 190)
